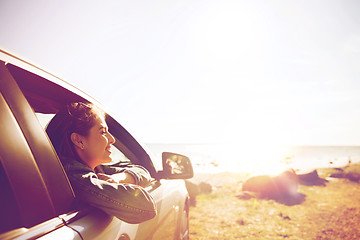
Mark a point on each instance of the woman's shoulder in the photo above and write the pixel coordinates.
(73, 165)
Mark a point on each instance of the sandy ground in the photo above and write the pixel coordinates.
(328, 212)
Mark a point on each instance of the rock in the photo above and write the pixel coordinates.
(196, 189)
(339, 169)
(287, 182)
(240, 222)
(337, 175)
(353, 176)
(286, 218)
(262, 184)
(205, 188)
(283, 184)
(245, 195)
(282, 188)
(311, 178)
(193, 191)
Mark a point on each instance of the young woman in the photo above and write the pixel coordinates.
(81, 138)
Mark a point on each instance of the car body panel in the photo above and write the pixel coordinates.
(53, 229)
(95, 224)
(64, 233)
(168, 211)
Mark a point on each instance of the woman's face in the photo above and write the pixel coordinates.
(97, 145)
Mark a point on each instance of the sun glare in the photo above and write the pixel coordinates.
(256, 144)
(225, 37)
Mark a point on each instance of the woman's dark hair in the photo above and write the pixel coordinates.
(74, 118)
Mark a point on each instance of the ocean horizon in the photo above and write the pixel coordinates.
(212, 158)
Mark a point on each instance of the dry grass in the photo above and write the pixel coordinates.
(328, 212)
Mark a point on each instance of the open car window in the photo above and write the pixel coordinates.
(116, 154)
(44, 119)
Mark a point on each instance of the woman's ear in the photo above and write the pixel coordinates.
(78, 140)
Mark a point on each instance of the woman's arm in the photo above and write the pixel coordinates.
(140, 175)
(128, 202)
(118, 178)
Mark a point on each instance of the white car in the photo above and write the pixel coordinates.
(36, 197)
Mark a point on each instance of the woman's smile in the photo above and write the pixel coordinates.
(108, 149)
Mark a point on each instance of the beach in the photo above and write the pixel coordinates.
(329, 211)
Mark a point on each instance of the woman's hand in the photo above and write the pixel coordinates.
(117, 178)
(105, 177)
(123, 177)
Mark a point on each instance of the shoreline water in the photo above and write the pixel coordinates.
(215, 158)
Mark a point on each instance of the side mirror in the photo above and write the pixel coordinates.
(176, 166)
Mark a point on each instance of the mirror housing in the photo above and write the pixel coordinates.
(175, 166)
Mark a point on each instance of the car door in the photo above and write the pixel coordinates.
(27, 205)
(165, 225)
(164, 192)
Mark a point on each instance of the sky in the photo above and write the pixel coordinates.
(250, 73)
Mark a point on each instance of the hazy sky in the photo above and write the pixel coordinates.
(249, 72)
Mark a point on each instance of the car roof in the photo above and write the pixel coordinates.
(29, 77)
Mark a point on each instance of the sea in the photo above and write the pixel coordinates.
(214, 158)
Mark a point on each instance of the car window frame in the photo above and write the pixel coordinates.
(22, 127)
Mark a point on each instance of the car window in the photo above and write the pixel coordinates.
(9, 211)
(44, 119)
(116, 154)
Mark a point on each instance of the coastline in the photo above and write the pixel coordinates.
(331, 211)
(217, 158)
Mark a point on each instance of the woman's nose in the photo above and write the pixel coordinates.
(111, 138)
